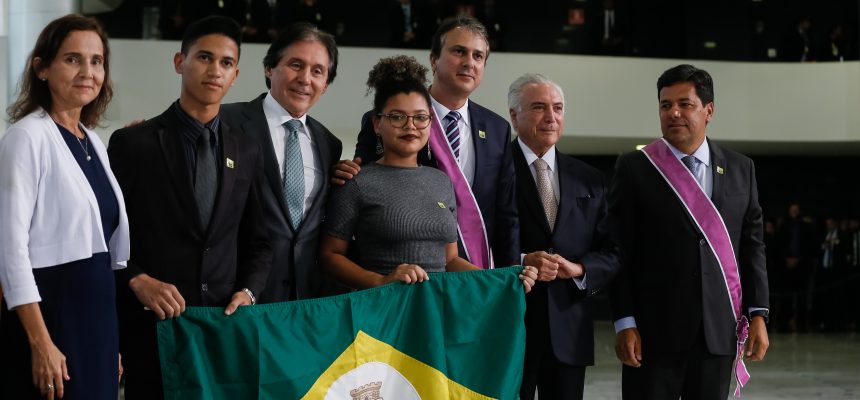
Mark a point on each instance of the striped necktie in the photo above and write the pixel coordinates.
(452, 132)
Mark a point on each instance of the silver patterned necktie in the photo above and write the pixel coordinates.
(692, 164)
(293, 177)
(547, 197)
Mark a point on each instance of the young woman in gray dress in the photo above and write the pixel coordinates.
(401, 215)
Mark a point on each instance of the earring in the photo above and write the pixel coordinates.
(379, 148)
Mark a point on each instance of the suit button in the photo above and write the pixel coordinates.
(701, 242)
(206, 250)
(204, 287)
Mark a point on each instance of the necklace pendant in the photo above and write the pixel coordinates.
(89, 158)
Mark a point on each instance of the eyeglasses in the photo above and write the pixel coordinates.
(399, 120)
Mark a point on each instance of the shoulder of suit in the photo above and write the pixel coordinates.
(580, 167)
(729, 154)
(480, 112)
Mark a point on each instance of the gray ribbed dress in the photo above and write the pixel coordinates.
(397, 215)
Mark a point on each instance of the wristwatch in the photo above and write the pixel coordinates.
(761, 313)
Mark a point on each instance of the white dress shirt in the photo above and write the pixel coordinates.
(467, 146)
(48, 212)
(276, 116)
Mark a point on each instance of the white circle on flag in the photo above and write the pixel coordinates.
(372, 381)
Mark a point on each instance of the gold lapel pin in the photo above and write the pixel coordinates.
(720, 170)
(231, 163)
(482, 134)
(441, 204)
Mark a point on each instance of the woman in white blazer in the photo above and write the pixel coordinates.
(64, 227)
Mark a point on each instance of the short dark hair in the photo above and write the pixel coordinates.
(459, 21)
(395, 75)
(299, 32)
(688, 73)
(34, 93)
(212, 25)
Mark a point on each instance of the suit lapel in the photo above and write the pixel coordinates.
(479, 128)
(318, 131)
(569, 188)
(230, 151)
(255, 124)
(527, 188)
(170, 140)
(718, 165)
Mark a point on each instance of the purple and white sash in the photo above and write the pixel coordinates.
(711, 224)
(470, 223)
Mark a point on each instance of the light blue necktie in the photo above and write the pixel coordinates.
(693, 164)
(293, 177)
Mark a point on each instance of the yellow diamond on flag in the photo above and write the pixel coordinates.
(370, 368)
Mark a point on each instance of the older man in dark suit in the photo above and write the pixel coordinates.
(299, 66)
(690, 229)
(190, 181)
(564, 230)
(477, 148)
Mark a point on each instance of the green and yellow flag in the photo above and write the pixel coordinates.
(456, 336)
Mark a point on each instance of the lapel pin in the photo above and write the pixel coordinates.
(441, 204)
(720, 170)
(231, 164)
(482, 134)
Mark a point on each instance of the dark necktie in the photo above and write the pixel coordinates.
(452, 132)
(294, 172)
(205, 177)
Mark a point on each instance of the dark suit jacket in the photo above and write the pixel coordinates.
(670, 280)
(581, 234)
(494, 178)
(295, 274)
(208, 265)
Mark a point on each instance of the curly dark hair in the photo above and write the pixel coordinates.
(395, 75)
(34, 93)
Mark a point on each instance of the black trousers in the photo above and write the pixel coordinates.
(694, 374)
(542, 370)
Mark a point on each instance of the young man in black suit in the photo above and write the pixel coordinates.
(299, 66)
(481, 147)
(564, 230)
(190, 183)
(676, 301)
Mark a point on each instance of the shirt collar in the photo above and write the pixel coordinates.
(441, 111)
(279, 115)
(530, 156)
(703, 153)
(195, 127)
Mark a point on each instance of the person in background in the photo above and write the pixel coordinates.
(64, 223)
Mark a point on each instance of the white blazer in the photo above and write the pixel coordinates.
(48, 212)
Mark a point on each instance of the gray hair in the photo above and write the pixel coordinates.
(515, 92)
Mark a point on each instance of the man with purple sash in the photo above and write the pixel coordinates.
(468, 142)
(691, 300)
